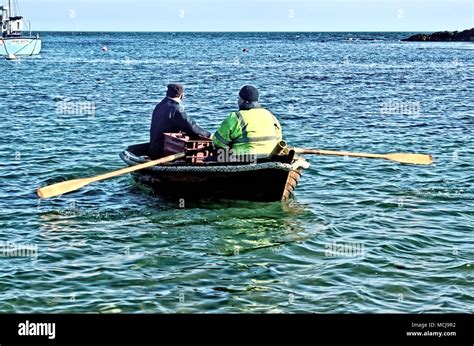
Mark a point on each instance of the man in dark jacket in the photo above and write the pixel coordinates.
(170, 116)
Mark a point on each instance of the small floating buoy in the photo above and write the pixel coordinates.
(11, 57)
(105, 49)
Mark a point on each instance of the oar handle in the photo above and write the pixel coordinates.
(303, 151)
(149, 164)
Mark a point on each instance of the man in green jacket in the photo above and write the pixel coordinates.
(251, 131)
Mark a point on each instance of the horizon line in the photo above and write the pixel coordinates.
(247, 31)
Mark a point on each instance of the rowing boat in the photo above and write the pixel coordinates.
(265, 180)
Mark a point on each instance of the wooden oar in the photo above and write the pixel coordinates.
(76, 184)
(415, 159)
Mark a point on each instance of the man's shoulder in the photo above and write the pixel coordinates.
(175, 105)
(170, 104)
(259, 110)
(234, 114)
(162, 104)
(269, 112)
(266, 110)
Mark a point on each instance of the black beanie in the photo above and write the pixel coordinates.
(249, 93)
(175, 90)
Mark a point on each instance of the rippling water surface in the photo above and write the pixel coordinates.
(360, 236)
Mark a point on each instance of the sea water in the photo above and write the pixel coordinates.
(360, 235)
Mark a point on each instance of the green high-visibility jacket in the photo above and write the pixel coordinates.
(255, 131)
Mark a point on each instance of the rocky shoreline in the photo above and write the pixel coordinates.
(444, 36)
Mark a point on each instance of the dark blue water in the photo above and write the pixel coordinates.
(360, 236)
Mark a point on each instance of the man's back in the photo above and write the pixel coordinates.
(170, 116)
(254, 131)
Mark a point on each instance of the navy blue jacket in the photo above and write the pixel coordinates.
(170, 116)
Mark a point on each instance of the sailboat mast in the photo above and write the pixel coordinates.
(9, 15)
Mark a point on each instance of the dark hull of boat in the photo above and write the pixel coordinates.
(262, 182)
(264, 185)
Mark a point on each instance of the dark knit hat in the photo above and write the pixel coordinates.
(175, 90)
(249, 93)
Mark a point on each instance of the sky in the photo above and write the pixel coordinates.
(248, 15)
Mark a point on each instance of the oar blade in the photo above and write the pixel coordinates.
(62, 188)
(414, 159)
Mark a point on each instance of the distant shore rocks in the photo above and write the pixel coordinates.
(444, 36)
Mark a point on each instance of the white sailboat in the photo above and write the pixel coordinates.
(13, 41)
